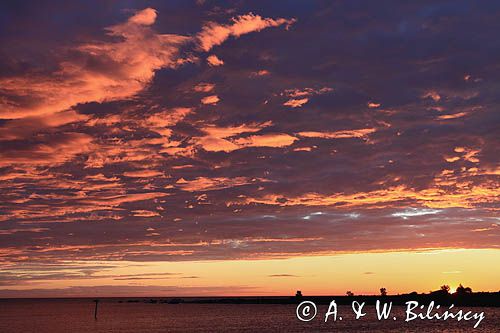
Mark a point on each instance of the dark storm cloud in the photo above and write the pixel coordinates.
(325, 127)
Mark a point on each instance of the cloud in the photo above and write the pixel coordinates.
(373, 105)
(433, 95)
(358, 133)
(13, 231)
(142, 173)
(213, 60)
(214, 144)
(161, 122)
(301, 96)
(277, 140)
(224, 138)
(296, 92)
(118, 200)
(26, 127)
(210, 100)
(144, 17)
(204, 87)
(127, 290)
(262, 72)
(452, 116)
(96, 71)
(416, 212)
(50, 150)
(295, 103)
(432, 197)
(108, 153)
(213, 184)
(214, 34)
(144, 213)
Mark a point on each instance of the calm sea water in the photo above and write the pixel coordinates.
(77, 315)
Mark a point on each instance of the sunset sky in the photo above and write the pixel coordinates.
(166, 148)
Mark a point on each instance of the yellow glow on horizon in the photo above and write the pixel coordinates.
(361, 273)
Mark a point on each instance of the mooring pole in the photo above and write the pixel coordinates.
(95, 311)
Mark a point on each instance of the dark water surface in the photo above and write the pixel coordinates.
(77, 315)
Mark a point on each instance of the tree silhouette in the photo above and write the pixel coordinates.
(446, 288)
(461, 290)
(349, 293)
(383, 292)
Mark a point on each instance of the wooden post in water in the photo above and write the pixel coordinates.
(95, 311)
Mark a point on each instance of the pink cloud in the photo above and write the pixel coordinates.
(123, 68)
(212, 100)
(299, 97)
(117, 200)
(296, 103)
(433, 95)
(267, 140)
(262, 72)
(144, 17)
(161, 121)
(204, 87)
(221, 138)
(452, 116)
(212, 184)
(143, 173)
(358, 133)
(17, 129)
(55, 150)
(214, 34)
(214, 61)
(144, 213)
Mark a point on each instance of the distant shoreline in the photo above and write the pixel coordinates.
(485, 299)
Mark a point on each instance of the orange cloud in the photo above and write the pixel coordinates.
(295, 103)
(117, 200)
(218, 138)
(307, 92)
(24, 128)
(212, 184)
(304, 148)
(267, 140)
(452, 116)
(142, 173)
(216, 144)
(161, 121)
(144, 17)
(436, 196)
(214, 61)
(210, 100)
(262, 72)
(204, 87)
(433, 95)
(144, 213)
(214, 34)
(300, 97)
(120, 69)
(359, 133)
(56, 150)
(226, 132)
